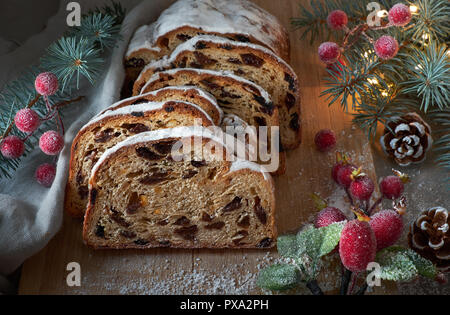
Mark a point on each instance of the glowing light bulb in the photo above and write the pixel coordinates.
(413, 9)
(382, 13)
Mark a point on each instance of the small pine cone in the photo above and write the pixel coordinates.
(407, 139)
(429, 236)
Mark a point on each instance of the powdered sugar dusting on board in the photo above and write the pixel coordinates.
(149, 279)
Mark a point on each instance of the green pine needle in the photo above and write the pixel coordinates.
(70, 57)
(98, 28)
(429, 76)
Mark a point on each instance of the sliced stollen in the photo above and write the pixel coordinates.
(239, 20)
(189, 94)
(234, 94)
(253, 62)
(114, 126)
(143, 195)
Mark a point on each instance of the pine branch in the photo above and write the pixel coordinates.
(442, 145)
(70, 57)
(431, 21)
(114, 9)
(429, 76)
(100, 29)
(73, 56)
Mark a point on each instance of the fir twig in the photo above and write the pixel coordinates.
(70, 57)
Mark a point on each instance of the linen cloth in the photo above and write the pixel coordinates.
(30, 215)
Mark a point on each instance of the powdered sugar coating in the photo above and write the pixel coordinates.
(180, 132)
(12, 147)
(214, 16)
(191, 44)
(46, 83)
(51, 143)
(386, 47)
(200, 92)
(388, 227)
(27, 120)
(225, 74)
(142, 39)
(357, 246)
(45, 174)
(144, 107)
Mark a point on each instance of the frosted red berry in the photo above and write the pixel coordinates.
(46, 84)
(386, 47)
(45, 174)
(392, 187)
(357, 246)
(27, 120)
(325, 140)
(51, 143)
(329, 52)
(362, 188)
(388, 227)
(329, 216)
(12, 147)
(343, 175)
(337, 19)
(399, 15)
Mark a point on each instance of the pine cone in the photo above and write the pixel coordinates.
(429, 236)
(407, 139)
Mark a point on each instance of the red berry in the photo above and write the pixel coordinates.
(337, 19)
(45, 174)
(392, 187)
(27, 120)
(388, 227)
(343, 175)
(329, 52)
(12, 147)
(325, 140)
(400, 15)
(46, 84)
(51, 143)
(329, 216)
(386, 47)
(357, 246)
(362, 188)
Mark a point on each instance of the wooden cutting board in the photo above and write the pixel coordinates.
(165, 271)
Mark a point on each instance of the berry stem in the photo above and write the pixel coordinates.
(362, 290)
(47, 117)
(375, 205)
(345, 280)
(354, 278)
(313, 286)
(352, 203)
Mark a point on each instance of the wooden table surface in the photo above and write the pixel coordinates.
(167, 271)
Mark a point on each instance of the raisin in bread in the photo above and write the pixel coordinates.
(144, 196)
(250, 61)
(239, 20)
(235, 95)
(190, 94)
(112, 127)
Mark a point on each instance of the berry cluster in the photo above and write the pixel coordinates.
(386, 47)
(28, 121)
(364, 236)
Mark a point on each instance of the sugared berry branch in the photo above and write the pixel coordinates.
(368, 237)
(384, 71)
(31, 106)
